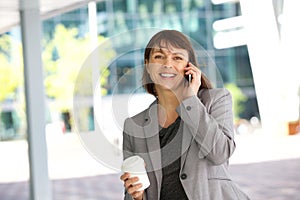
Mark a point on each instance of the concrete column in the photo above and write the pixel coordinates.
(290, 42)
(264, 51)
(40, 186)
(94, 58)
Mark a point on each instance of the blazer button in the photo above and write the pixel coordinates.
(183, 176)
(188, 107)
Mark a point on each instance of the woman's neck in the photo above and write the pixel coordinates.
(168, 103)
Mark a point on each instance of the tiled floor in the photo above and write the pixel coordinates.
(266, 169)
(86, 188)
(272, 180)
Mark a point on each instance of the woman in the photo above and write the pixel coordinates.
(186, 135)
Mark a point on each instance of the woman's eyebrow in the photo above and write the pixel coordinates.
(178, 53)
(157, 50)
(162, 50)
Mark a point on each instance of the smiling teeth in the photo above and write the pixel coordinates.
(167, 75)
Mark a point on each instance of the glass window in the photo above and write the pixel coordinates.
(119, 5)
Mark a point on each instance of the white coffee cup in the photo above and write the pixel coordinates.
(135, 165)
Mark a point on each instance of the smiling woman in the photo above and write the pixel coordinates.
(167, 66)
(166, 41)
(186, 135)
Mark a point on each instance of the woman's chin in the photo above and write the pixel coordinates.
(170, 86)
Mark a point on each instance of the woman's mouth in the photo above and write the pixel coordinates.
(167, 75)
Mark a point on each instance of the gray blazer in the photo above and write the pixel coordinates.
(207, 145)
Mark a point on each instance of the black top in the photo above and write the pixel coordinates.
(170, 143)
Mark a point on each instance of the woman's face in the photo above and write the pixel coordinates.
(166, 66)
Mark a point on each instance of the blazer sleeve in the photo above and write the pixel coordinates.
(127, 144)
(210, 121)
(128, 150)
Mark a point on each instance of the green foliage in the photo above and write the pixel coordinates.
(5, 45)
(10, 67)
(237, 99)
(8, 79)
(63, 57)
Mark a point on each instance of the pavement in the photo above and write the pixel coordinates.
(265, 166)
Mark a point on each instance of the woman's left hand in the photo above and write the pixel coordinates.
(193, 87)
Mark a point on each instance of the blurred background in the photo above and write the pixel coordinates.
(250, 48)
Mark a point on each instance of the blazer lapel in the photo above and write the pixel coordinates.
(151, 130)
(186, 143)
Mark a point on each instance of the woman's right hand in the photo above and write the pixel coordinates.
(132, 187)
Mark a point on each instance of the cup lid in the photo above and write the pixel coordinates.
(133, 164)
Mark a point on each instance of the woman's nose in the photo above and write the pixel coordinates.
(168, 63)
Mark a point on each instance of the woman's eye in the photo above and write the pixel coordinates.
(158, 56)
(178, 58)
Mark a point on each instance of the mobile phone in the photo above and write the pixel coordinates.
(188, 79)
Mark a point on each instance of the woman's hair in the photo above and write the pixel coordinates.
(175, 39)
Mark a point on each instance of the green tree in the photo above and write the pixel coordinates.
(63, 57)
(238, 98)
(10, 67)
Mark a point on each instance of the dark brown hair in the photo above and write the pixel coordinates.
(170, 38)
